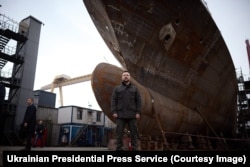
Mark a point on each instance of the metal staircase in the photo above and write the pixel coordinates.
(80, 135)
(11, 56)
(3, 42)
(9, 31)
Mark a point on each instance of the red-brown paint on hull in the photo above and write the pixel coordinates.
(176, 52)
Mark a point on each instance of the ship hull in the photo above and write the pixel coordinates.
(175, 49)
(159, 113)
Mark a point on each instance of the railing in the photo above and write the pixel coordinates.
(9, 50)
(7, 23)
(6, 74)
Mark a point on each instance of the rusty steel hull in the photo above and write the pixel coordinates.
(159, 113)
(175, 52)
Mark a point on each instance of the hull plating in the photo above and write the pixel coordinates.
(176, 54)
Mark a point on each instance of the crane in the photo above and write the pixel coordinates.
(65, 80)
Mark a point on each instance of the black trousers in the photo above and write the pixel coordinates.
(132, 127)
(29, 136)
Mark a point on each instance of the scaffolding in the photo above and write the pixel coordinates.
(243, 106)
(11, 55)
(12, 40)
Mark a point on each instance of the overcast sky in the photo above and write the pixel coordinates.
(70, 44)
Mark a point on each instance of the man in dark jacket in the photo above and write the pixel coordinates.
(39, 133)
(126, 109)
(29, 122)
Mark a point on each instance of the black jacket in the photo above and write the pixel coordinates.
(40, 129)
(30, 118)
(126, 101)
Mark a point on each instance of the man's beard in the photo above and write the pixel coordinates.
(126, 81)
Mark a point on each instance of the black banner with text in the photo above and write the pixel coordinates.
(145, 158)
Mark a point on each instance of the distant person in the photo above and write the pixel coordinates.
(2, 120)
(39, 133)
(126, 109)
(29, 123)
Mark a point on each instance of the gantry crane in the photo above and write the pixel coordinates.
(65, 80)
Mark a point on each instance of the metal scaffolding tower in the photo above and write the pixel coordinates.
(243, 104)
(18, 58)
(11, 56)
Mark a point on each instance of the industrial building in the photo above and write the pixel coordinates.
(19, 44)
(71, 125)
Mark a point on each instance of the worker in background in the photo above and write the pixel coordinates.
(29, 123)
(39, 133)
(126, 109)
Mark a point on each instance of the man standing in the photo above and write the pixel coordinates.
(39, 133)
(29, 122)
(126, 109)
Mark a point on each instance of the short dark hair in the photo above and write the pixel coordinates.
(125, 71)
(32, 99)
